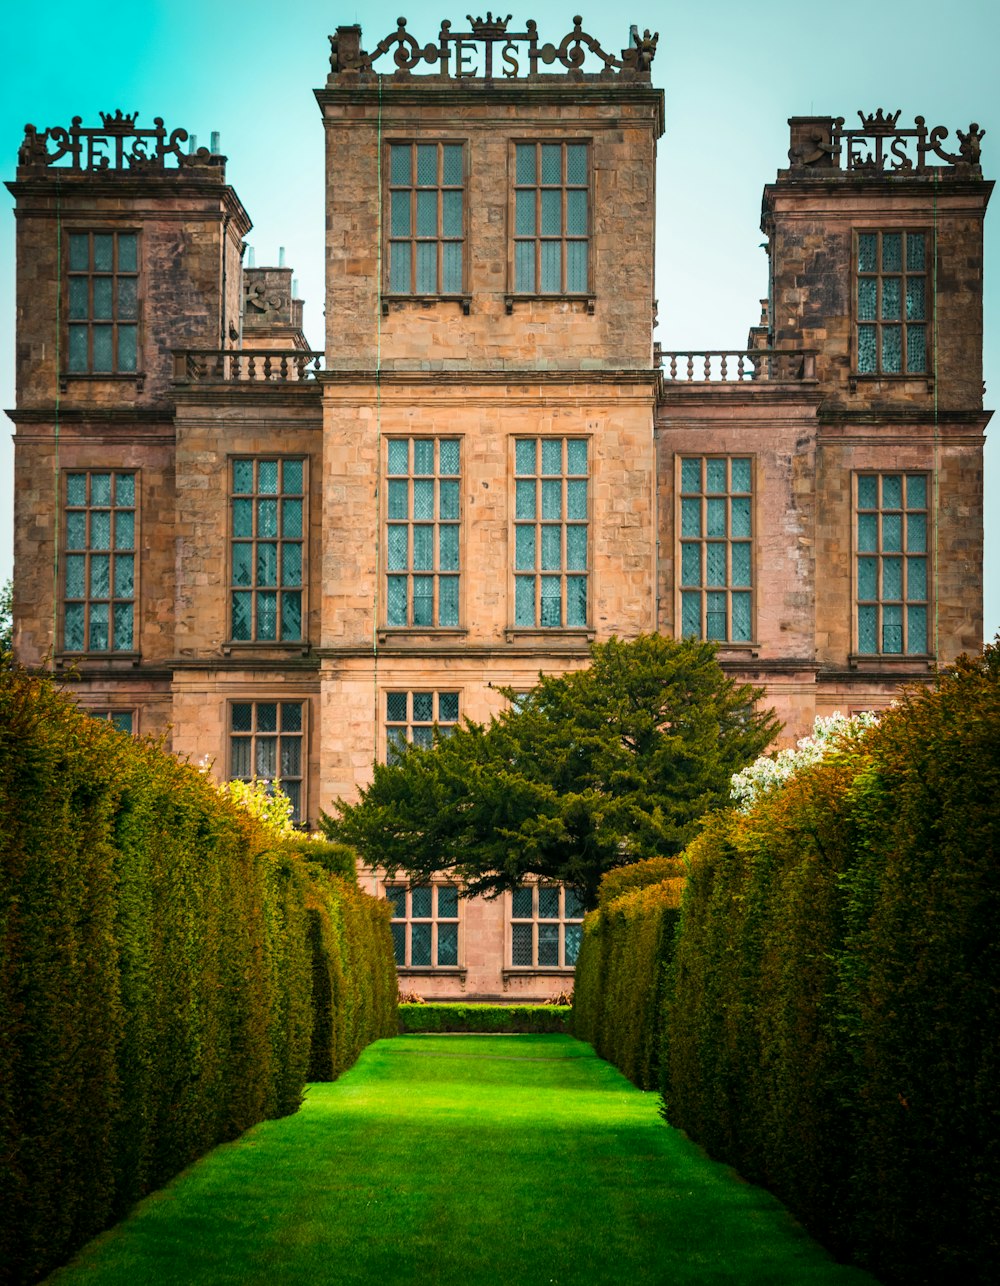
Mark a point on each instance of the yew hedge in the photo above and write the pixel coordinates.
(169, 974)
(621, 969)
(833, 1026)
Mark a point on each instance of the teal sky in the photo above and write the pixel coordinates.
(733, 73)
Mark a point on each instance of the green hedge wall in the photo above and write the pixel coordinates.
(168, 973)
(833, 1026)
(621, 969)
(483, 1018)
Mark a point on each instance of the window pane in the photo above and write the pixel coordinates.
(573, 933)
(524, 503)
(715, 475)
(103, 252)
(740, 565)
(447, 897)
(291, 564)
(399, 267)
(551, 212)
(916, 533)
(267, 517)
(423, 707)
(521, 904)
(916, 578)
(76, 489)
(524, 548)
(915, 261)
(395, 705)
(291, 716)
(448, 499)
(892, 533)
(691, 615)
(420, 905)
(868, 578)
(548, 944)
(690, 517)
(291, 518)
(576, 498)
(867, 492)
(716, 513)
(892, 578)
(399, 163)
(552, 456)
(867, 297)
(122, 631)
(576, 213)
(740, 474)
(525, 455)
(576, 266)
(267, 716)
(427, 211)
(398, 553)
(79, 252)
(868, 533)
(551, 548)
(892, 251)
(98, 640)
(576, 549)
(76, 565)
(426, 267)
(739, 516)
(101, 336)
(78, 356)
(576, 163)
(100, 529)
(524, 600)
(916, 629)
(124, 489)
(741, 618)
(521, 953)
(892, 628)
(551, 163)
(548, 902)
(447, 707)
(715, 617)
(267, 616)
(124, 576)
(73, 627)
(576, 455)
(451, 268)
(690, 563)
(100, 576)
(524, 215)
(396, 895)
(524, 269)
(124, 529)
(243, 476)
(127, 306)
(451, 164)
(399, 219)
(576, 601)
(241, 618)
(867, 617)
(79, 298)
(715, 570)
(916, 349)
(525, 159)
(866, 350)
(423, 600)
(892, 338)
(423, 498)
(448, 453)
(267, 564)
(398, 500)
(448, 600)
(427, 164)
(915, 299)
(399, 942)
(867, 242)
(891, 299)
(892, 491)
(420, 943)
(447, 944)
(552, 499)
(291, 615)
(423, 548)
(551, 613)
(551, 267)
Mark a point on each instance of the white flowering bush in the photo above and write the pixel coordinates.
(771, 772)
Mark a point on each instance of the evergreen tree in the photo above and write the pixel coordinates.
(591, 770)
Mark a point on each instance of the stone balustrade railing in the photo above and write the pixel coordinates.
(718, 366)
(246, 366)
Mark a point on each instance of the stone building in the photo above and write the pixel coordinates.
(288, 560)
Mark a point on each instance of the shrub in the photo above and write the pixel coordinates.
(430, 1017)
(159, 971)
(832, 1024)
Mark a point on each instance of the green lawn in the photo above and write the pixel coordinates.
(462, 1159)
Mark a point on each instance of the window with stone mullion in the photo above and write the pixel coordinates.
(102, 307)
(267, 550)
(892, 564)
(426, 218)
(99, 565)
(422, 532)
(266, 745)
(551, 481)
(424, 924)
(551, 218)
(545, 924)
(891, 302)
(715, 519)
(411, 717)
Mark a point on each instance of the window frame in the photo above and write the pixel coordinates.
(538, 238)
(393, 725)
(436, 574)
(905, 602)
(300, 814)
(539, 522)
(109, 714)
(302, 540)
(88, 552)
(115, 322)
(435, 920)
(535, 920)
(879, 323)
(703, 495)
(413, 238)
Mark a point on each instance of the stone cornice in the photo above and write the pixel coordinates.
(469, 376)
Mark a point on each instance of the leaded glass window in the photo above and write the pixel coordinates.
(411, 717)
(266, 745)
(716, 565)
(267, 550)
(892, 302)
(102, 307)
(551, 218)
(551, 533)
(891, 561)
(424, 925)
(123, 720)
(545, 926)
(426, 218)
(99, 571)
(422, 532)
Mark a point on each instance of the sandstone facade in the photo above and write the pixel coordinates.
(283, 560)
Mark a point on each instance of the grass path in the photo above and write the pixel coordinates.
(464, 1160)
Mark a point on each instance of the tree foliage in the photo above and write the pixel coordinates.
(591, 770)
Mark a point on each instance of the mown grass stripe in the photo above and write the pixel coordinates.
(460, 1172)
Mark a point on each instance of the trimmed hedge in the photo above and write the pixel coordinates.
(483, 1018)
(621, 968)
(834, 1024)
(168, 974)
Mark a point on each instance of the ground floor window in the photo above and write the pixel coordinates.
(265, 744)
(424, 924)
(545, 926)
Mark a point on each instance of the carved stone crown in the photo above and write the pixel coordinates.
(489, 26)
(879, 119)
(120, 123)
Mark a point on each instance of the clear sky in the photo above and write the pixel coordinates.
(732, 72)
